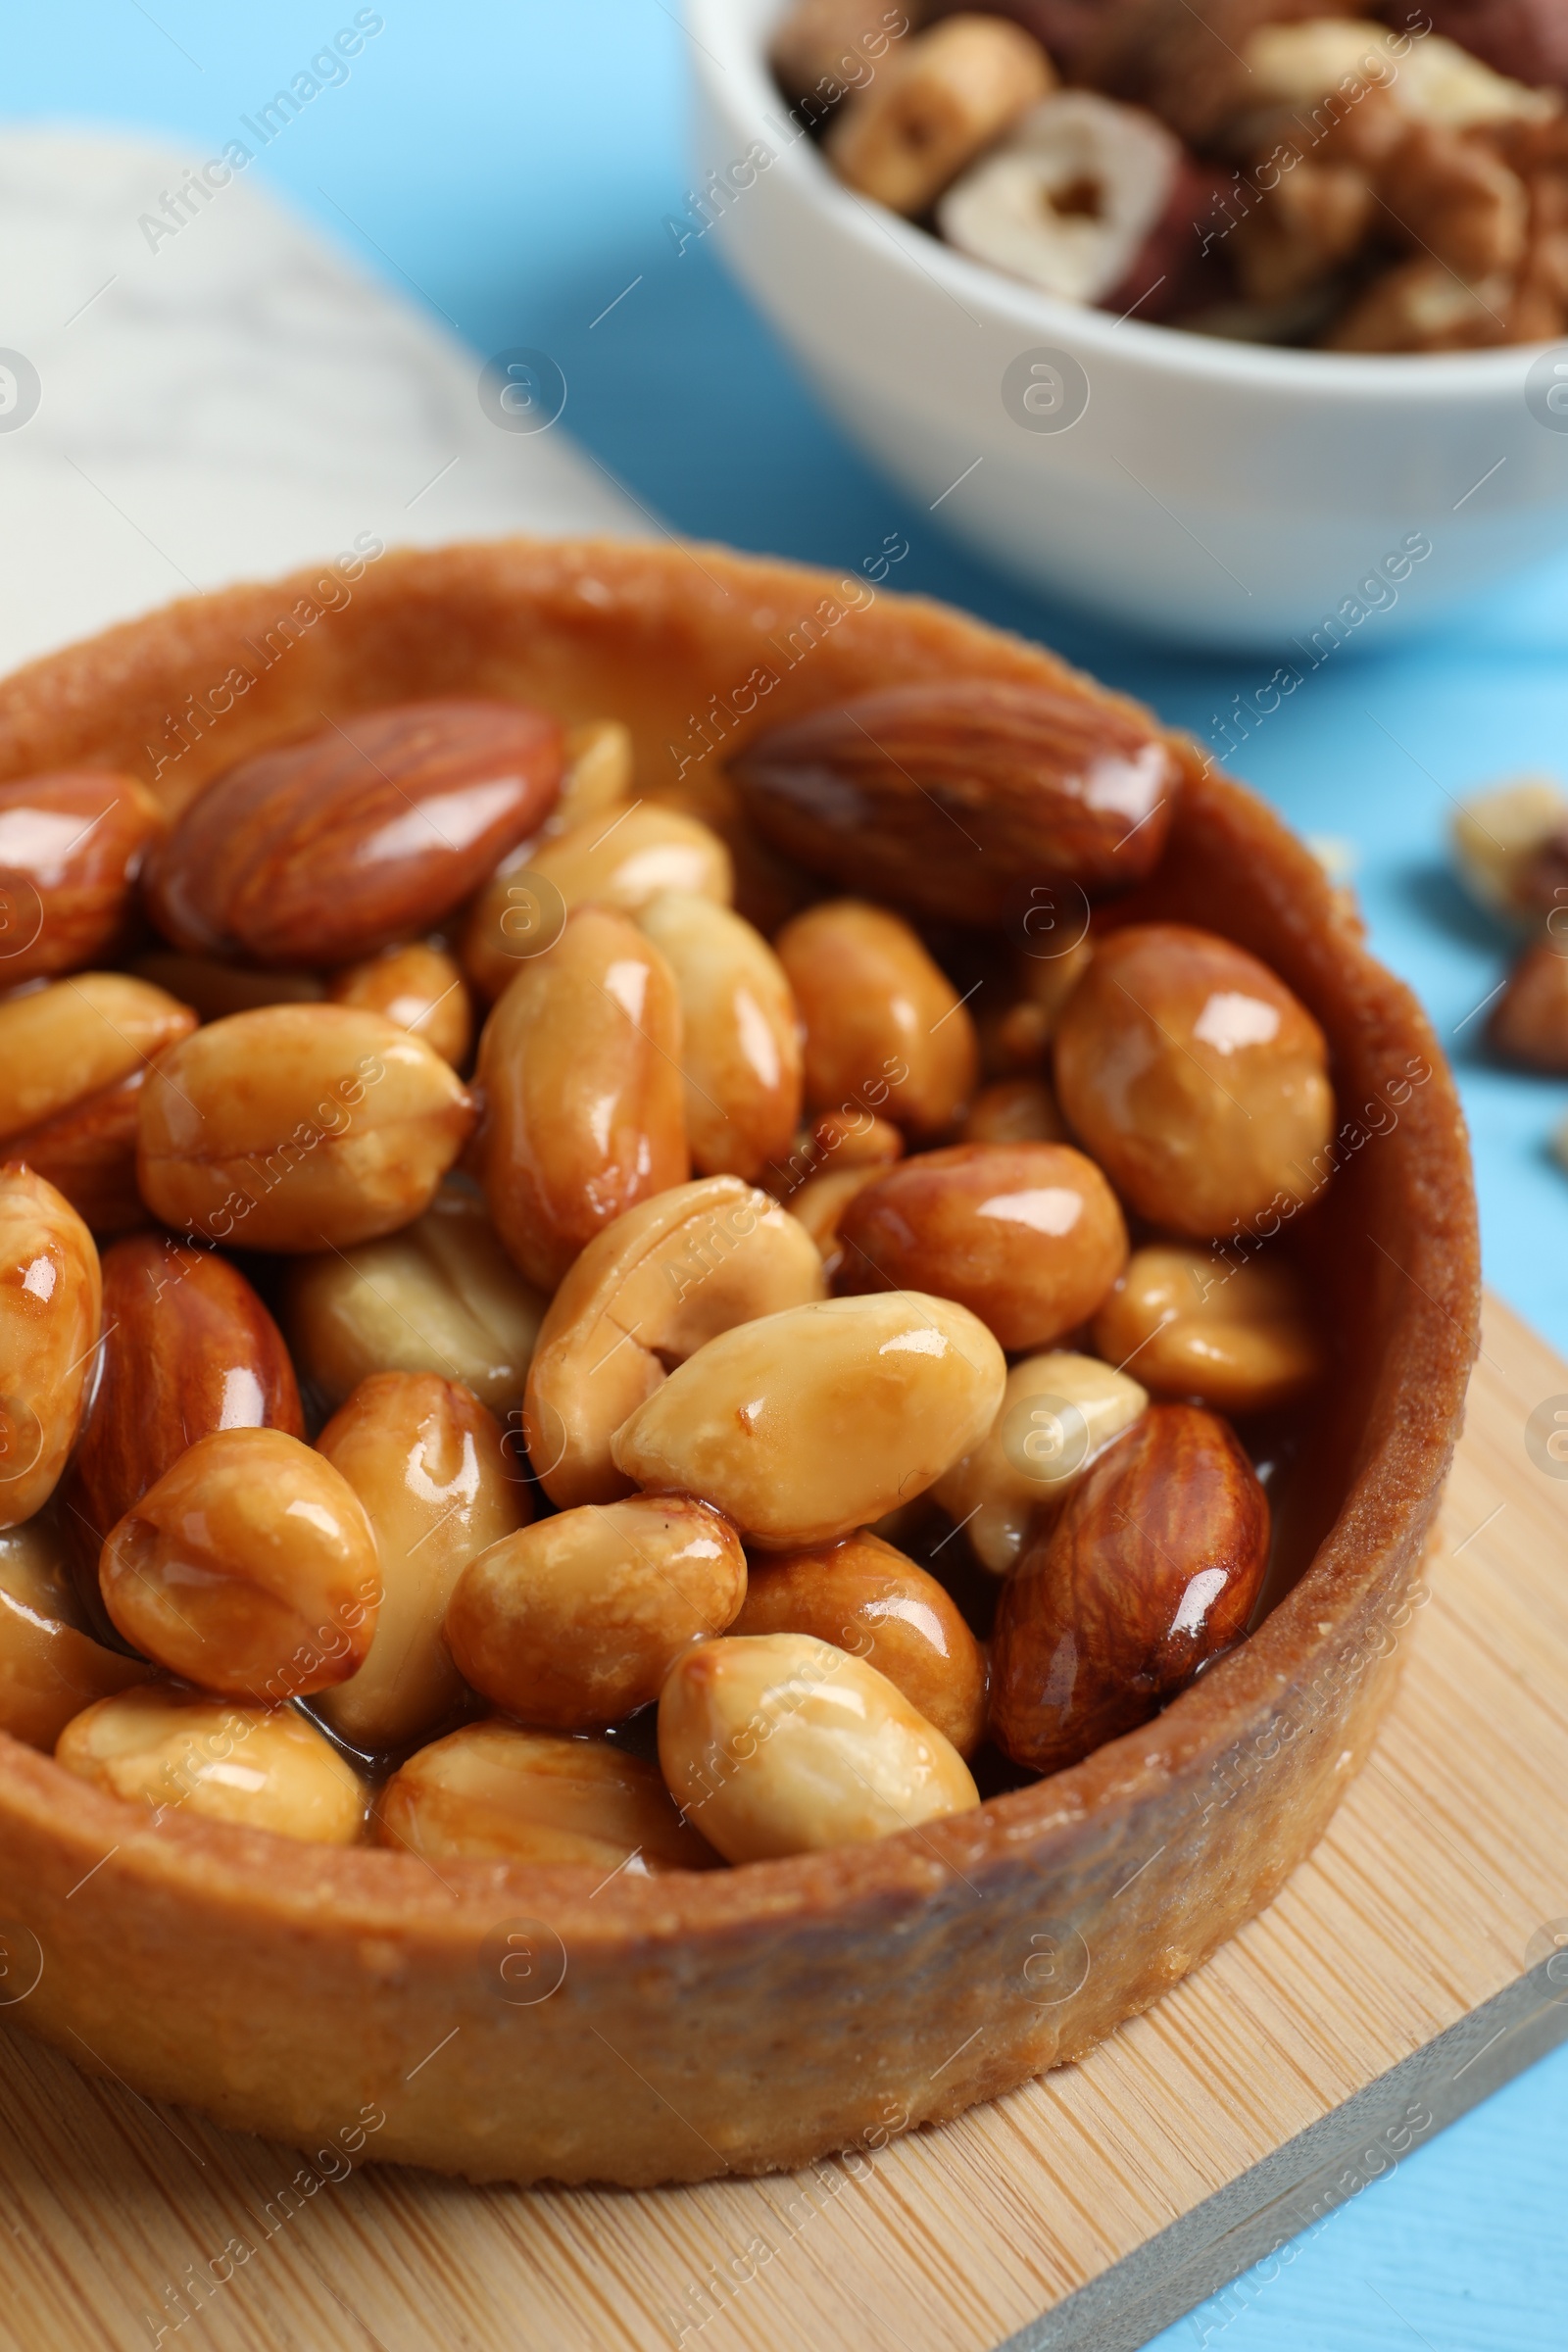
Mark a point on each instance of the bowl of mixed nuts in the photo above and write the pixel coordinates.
(1188, 310)
(719, 1383)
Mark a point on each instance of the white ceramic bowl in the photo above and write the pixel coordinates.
(1217, 493)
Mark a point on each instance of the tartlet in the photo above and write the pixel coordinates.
(684, 2026)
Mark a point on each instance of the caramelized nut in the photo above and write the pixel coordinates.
(741, 1050)
(885, 1030)
(808, 1424)
(50, 1669)
(645, 1294)
(425, 1459)
(955, 797)
(492, 1792)
(88, 1153)
(1059, 1413)
(1241, 1339)
(853, 1139)
(939, 101)
(249, 1569)
(780, 1744)
(259, 1768)
(416, 988)
(1027, 1236)
(1194, 1077)
(297, 1127)
(64, 1045)
(50, 1298)
(1014, 1037)
(616, 859)
(325, 850)
(575, 1621)
(580, 1068)
(188, 1349)
(72, 844)
(440, 1295)
(863, 1596)
(1014, 1111)
(599, 773)
(1150, 1571)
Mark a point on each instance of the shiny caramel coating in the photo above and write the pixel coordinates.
(579, 1065)
(254, 1768)
(867, 1597)
(50, 1666)
(426, 1461)
(645, 1294)
(885, 1030)
(71, 845)
(741, 1050)
(805, 1425)
(1029, 1237)
(1241, 1339)
(780, 1744)
(575, 1621)
(249, 1569)
(51, 1291)
(416, 988)
(1196, 1078)
(297, 1127)
(494, 1793)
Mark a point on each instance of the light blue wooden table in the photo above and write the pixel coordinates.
(512, 166)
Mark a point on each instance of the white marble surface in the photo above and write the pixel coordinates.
(230, 402)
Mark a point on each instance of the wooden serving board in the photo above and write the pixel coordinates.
(1400, 1978)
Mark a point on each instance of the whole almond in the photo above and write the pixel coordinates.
(71, 845)
(322, 850)
(1152, 1570)
(955, 798)
(188, 1347)
(62, 1045)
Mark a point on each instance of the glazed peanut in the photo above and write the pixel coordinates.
(1152, 1570)
(324, 850)
(258, 1768)
(63, 1045)
(865, 1596)
(425, 1459)
(297, 1127)
(492, 1792)
(575, 1621)
(624, 857)
(1195, 1079)
(50, 1668)
(782, 1744)
(50, 1299)
(249, 1569)
(71, 845)
(580, 1068)
(1014, 1037)
(1027, 1236)
(599, 773)
(440, 1295)
(646, 1294)
(416, 988)
(853, 1139)
(188, 1349)
(884, 1028)
(741, 1052)
(808, 1424)
(1059, 1412)
(1014, 1111)
(1241, 1339)
(76, 1056)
